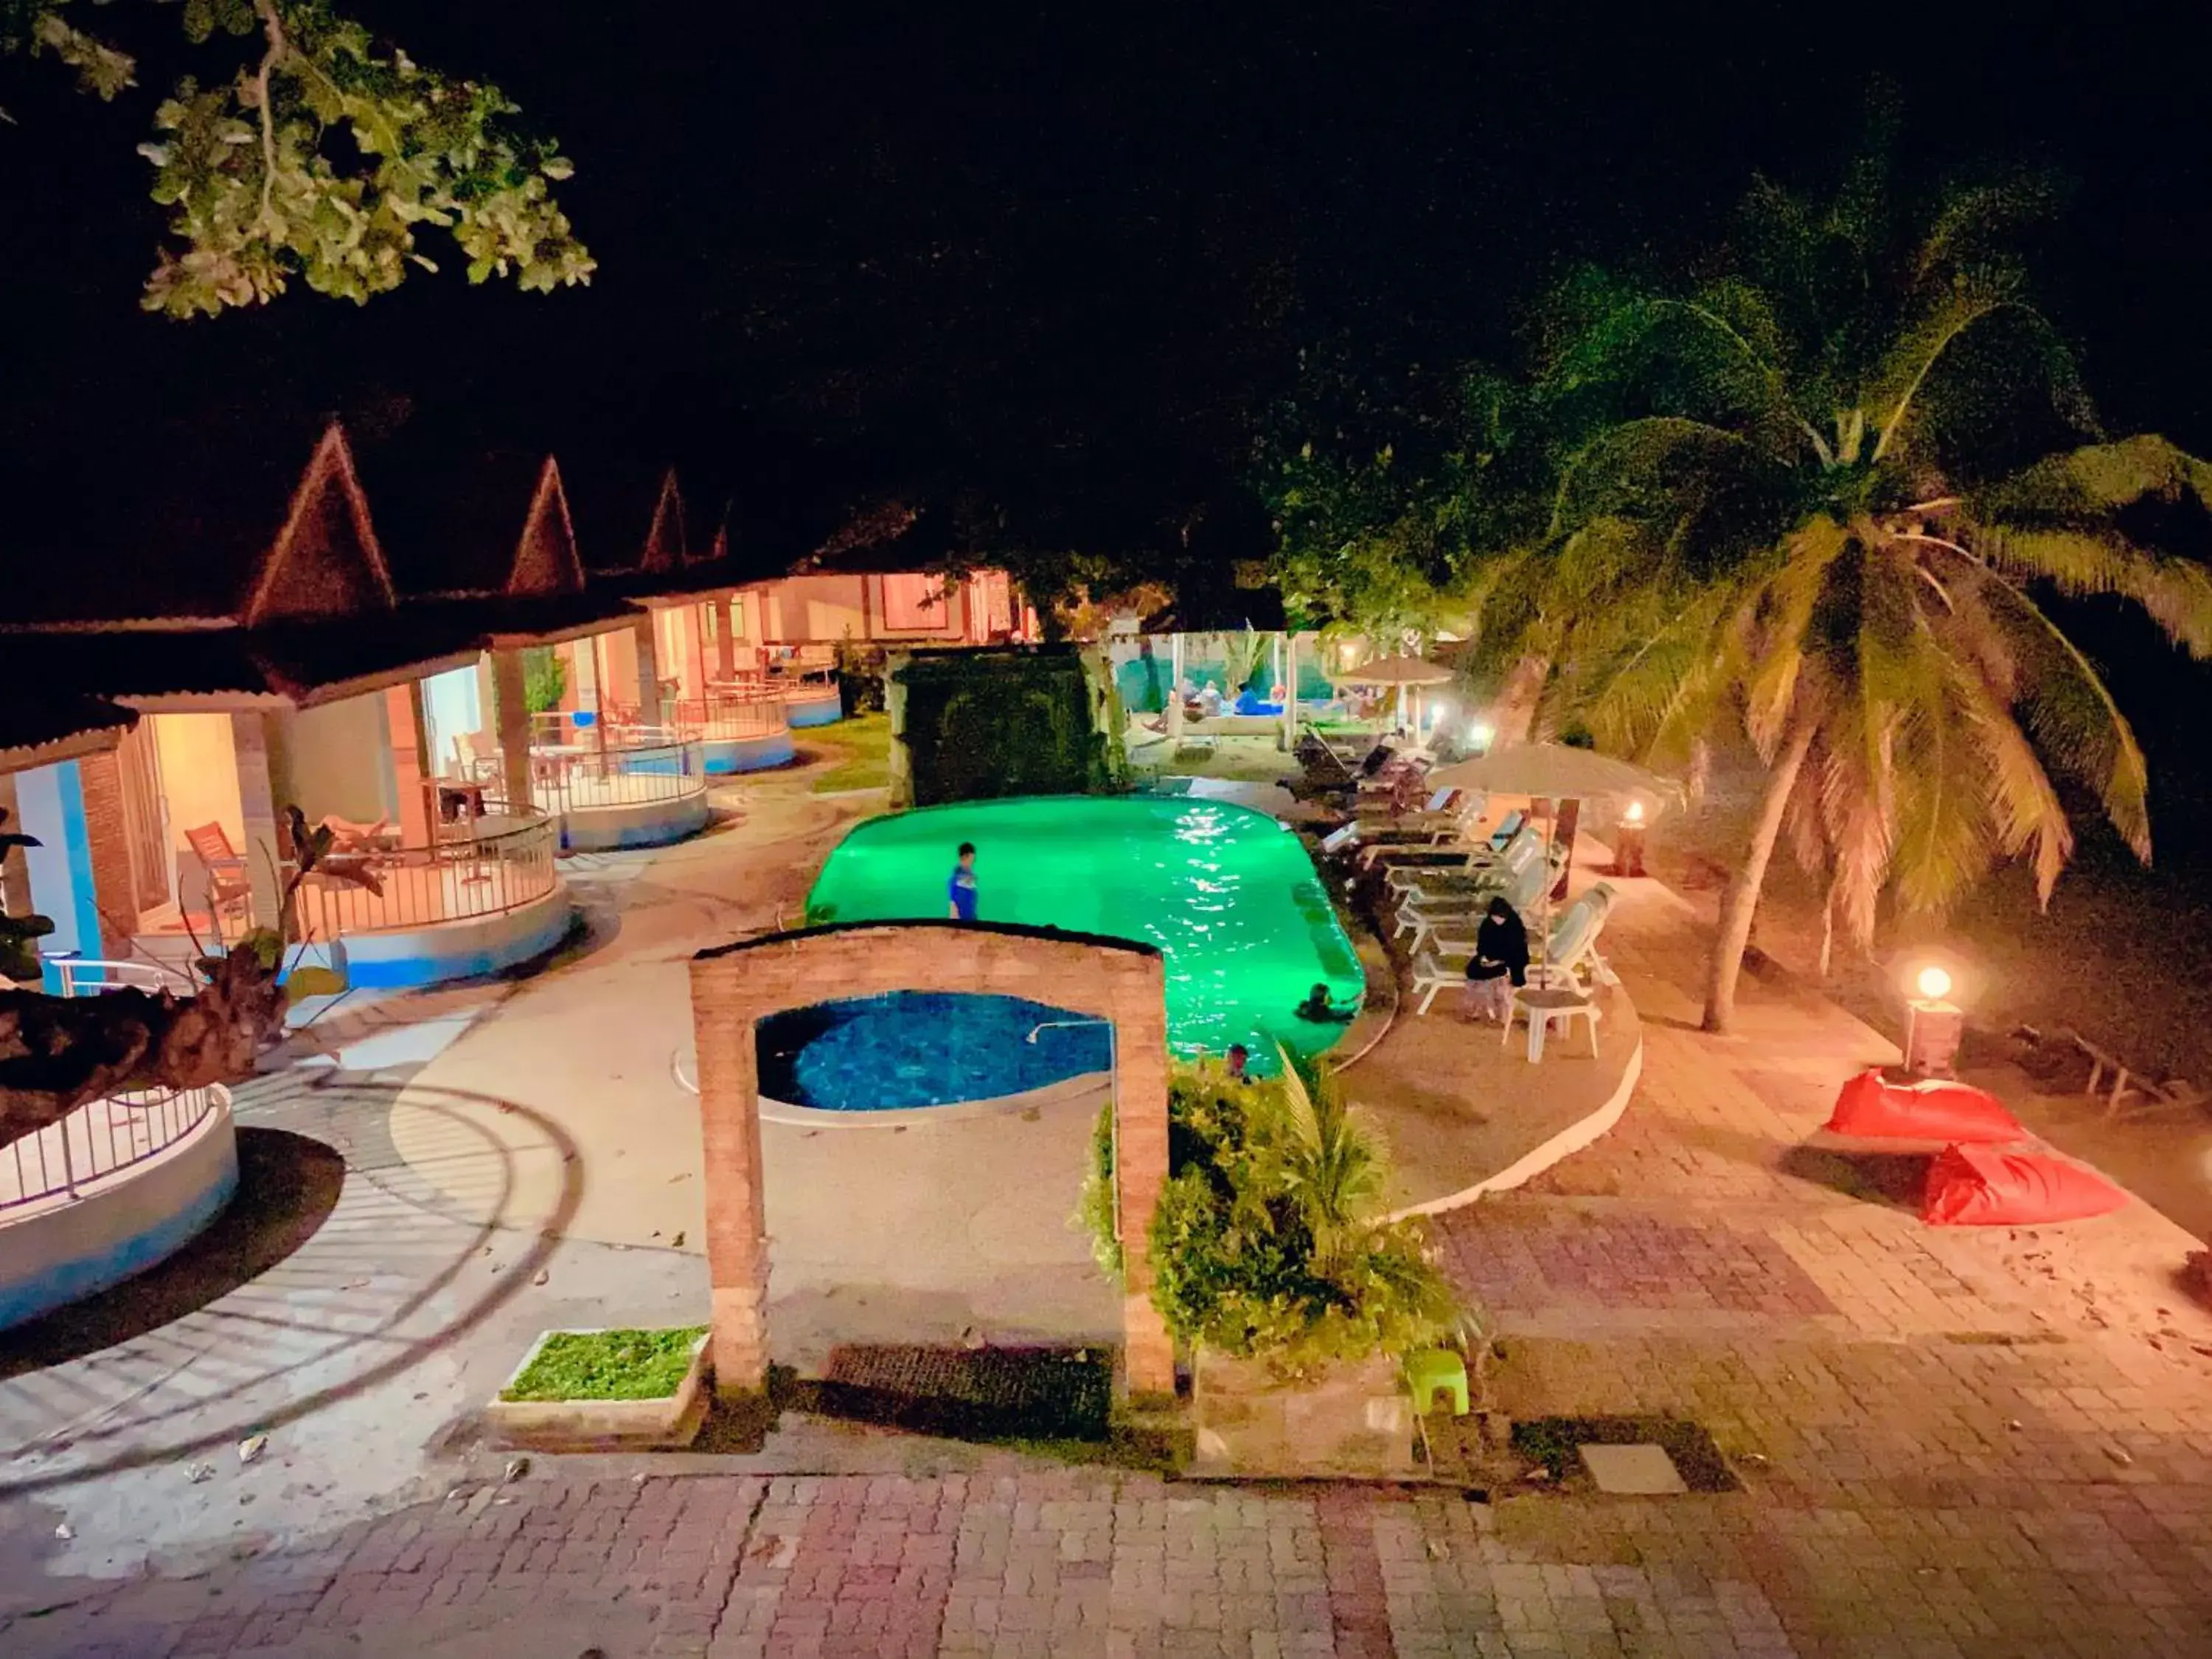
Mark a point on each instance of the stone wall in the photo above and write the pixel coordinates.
(736, 986)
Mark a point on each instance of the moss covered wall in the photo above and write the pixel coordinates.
(979, 725)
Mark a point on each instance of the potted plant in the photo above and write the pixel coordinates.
(642, 1389)
(1274, 1265)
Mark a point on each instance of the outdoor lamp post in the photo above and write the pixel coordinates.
(1113, 1100)
(1628, 842)
(1933, 1024)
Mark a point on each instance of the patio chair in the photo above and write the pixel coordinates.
(1435, 884)
(230, 886)
(1571, 957)
(1452, 928)
(478, 754)
(1423, 866)
(1433, 972)
(348, 837)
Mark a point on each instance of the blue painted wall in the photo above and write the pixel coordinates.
(50, 804)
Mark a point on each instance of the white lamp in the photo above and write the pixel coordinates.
(1934, 1026)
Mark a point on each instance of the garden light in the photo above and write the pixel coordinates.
(1635, 813)
(1479, 735)
(1934, 1028)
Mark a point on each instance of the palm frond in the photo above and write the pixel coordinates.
(2069, 712)
(1943, 822)
(1783, 607)
(1979, 228)
(2024, 808)
(1895, 385)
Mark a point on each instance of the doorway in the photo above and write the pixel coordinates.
(146, 821)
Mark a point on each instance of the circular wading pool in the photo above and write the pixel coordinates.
(908, 1049)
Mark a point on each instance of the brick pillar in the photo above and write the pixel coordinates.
(648, 669)
(737, 1228)
(512, 717)
(107, 831)
(257, 803)
(1139, 1011)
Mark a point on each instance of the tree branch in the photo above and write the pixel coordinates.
(273, 26)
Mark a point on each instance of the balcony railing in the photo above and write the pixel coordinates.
(99, 1138)
(486, 867)
(573, 778)
(722, 716)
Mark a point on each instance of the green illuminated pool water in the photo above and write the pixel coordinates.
(1227, 894)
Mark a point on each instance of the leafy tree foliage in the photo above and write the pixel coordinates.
(1385, 507)
(321, 158)
(1825, 494)
(1269, 1242)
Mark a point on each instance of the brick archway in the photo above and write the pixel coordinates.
(734, 987)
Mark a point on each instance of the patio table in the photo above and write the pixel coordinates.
(1542, 1007)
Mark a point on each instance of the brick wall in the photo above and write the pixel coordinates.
(736, 987)
(115, 890)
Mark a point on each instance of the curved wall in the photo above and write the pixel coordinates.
(640, 823)
(727, 755)
(824, 707)
(60, 1251)
(457, 949)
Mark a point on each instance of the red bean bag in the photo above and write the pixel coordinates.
(1869, 1108)
(1981, 1186)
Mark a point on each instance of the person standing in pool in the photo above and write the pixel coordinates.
(961, 889)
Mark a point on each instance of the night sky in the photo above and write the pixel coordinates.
(1062, 260)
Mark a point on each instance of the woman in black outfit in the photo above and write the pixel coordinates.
(1501, 958)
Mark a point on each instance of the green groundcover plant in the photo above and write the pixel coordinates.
(1269, 1242)
(607, 1366)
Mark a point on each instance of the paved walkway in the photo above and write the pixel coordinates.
(1957, 1443)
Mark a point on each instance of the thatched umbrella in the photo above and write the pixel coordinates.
(1408, 672)
(1556, 772)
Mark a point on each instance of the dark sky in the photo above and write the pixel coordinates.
(1061, 256)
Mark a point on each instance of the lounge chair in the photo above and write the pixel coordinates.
(1437, 868)
(1570, 958)
(1452, 929)
(230, 885)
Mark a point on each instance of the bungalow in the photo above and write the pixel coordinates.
(263, 645)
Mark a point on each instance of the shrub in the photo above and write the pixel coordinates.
(544, 679)
(1268, 1242)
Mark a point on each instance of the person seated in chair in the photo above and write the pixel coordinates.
(1500, 960)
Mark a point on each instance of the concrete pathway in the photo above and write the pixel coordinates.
(1960, 1442)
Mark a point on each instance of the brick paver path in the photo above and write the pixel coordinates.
(1973, 1443)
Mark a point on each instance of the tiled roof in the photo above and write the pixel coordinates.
(450, 521)
(36, 726)
(159, 521)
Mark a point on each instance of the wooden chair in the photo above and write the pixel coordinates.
(229, 884)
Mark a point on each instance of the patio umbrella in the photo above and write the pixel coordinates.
(1409, 672)
(1556, 772)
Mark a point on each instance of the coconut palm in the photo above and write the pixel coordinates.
(1828, 497)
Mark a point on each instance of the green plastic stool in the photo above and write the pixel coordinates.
(1434, 1369)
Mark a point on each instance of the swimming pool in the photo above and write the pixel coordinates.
(913, 1048)
(1226, 893)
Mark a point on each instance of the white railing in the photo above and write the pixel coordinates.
(97, 1140)
(85, 976)
(629, 774)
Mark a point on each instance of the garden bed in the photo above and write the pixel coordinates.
(599, 1389)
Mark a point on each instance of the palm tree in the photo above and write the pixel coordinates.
(1827, 496)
